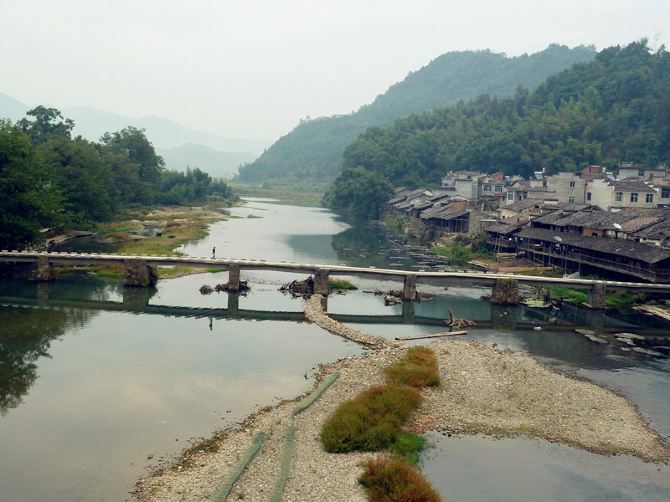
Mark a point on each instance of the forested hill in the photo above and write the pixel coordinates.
(615, 108)
(312, 152)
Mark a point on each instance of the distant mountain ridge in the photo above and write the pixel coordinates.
(217, 163)
(179, 145)
(313, 150)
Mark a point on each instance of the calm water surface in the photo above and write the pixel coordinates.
(88, 393)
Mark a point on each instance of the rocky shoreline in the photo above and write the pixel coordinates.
(484, 390)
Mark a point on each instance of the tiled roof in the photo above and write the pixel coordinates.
(622, 247)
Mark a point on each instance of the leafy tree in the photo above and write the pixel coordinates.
(141, 155)
(29, 199)
(45, 123)
(359, 192)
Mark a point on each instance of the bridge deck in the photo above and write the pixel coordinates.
(483, 278)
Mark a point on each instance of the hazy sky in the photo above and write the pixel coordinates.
(254, 68)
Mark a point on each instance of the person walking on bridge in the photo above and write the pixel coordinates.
(213, 252)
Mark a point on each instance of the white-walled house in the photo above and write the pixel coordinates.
(607, 194)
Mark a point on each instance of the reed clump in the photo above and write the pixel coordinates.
(394, 479)
(417, 369)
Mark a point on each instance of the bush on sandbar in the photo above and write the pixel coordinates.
(371, 421)
(418, 368)
(393, 480)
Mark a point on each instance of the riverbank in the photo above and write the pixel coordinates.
(156, 231)
(484, 391)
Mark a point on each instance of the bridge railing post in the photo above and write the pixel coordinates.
(234, 277)
(321, 286)
(409, 288)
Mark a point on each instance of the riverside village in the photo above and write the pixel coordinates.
(586, 222)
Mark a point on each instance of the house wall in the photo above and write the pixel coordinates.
(602, 194)
(560, 184)
(466, 188)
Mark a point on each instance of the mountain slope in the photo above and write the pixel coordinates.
(11, 108)
(613, 109)
(218, 164)
(164, 133)
(313, 150)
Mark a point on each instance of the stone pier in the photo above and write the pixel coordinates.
(505, 292)
(233, 304)
(45, 270)
(234, 277)
(321, 281)
(597, 295)
(409, 288)
(408, 312)
(137, 273)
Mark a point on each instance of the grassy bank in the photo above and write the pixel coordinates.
(285, 194)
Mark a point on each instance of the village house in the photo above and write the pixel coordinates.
(612, 195)
(567, 187)
(628, 170)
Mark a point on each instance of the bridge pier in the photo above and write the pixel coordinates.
(45, 270)
(234, 277)
(597, 295)
(233, 304)
(408, 312)
(137, 273)
(505, 292)
(321, 281)
(409, 288)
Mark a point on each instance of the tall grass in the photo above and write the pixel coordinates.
(395, 480)
(371, 421)
(417, 369)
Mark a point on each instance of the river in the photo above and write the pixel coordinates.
(90, 397)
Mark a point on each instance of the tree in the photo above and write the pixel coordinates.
(46, 123)
(146, 164)
(29, 198)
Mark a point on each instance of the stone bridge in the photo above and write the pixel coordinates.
(140, 271)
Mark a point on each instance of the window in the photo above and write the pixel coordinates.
(572, 184)
(588, 195)
(665, 193)
(487, 188)
(498, 188)
(618, 196)
(650, 197)
(571, 199)
(633, 196)
(510, 195)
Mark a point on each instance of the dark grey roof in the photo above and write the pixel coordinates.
(520, 205)
(505, 228)
(446, 213)
(603, 220)
(632, 186)
(622, 247)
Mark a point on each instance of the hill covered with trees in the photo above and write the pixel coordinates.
(312, 152)
(615, 108)
(48, 178)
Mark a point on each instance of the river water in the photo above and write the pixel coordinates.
(95, 387)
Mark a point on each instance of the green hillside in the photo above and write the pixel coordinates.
(615, 108)
(312, 152)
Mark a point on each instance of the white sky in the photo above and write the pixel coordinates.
(254, 68)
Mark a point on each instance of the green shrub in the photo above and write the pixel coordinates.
(371, 421)
(408, 446)
(418, 368)
(341, 284)
(570, 295)
(622, 299)
(395, 480)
